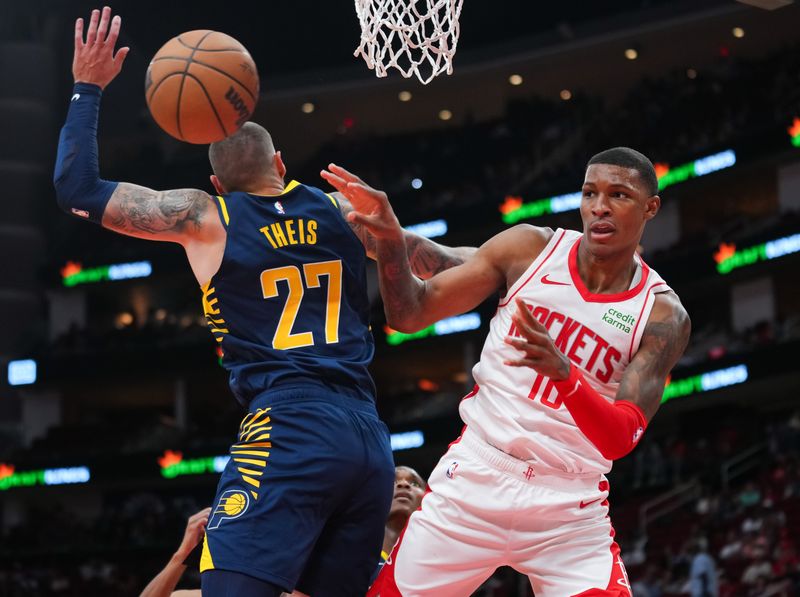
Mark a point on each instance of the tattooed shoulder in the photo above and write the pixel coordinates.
(139, 210)
(667, 332)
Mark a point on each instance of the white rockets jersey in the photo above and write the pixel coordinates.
(519, 411)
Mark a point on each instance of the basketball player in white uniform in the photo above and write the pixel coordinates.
(572, 371)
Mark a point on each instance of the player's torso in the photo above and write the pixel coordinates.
(519, 411)
(289, 303)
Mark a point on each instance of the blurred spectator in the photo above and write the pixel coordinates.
(703, 572)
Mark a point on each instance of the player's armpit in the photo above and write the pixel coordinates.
(426, 257)
(178, 215)
(664, 339)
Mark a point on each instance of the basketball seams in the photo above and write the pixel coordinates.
(164, 78)
(197, 47)
(210, 101)
(216, 72)
(183, 80)
(231, 77)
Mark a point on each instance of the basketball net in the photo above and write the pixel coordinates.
(417, 37)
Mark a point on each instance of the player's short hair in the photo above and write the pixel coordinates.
(626, 157)
(243, 159)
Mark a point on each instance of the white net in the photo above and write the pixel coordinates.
(417, 37)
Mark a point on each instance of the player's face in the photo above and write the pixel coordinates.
(615, 207)
(409, 488)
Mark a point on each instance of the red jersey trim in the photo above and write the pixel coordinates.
(591, 297)
(507, 300)
(639, 320)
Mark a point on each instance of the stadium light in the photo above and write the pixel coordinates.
(21, 373)
(430, 229)
(729, 258)
(451, 325)
(794, 132)
(705, 382)
(10, 477)
(73, 273)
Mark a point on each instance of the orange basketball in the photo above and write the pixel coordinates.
(201, 86)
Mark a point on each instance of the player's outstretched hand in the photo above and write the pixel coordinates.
(195, 527)
(371, 207)
(94, 60)
(538, 350)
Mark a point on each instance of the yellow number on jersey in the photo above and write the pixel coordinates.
(284, 339)
(332, 269)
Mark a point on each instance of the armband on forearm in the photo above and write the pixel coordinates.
(613, 427)
(79, 188)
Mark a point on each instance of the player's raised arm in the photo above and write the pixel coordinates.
(411, 304)
(177, 215)
(426, 257)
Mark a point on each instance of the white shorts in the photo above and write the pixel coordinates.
(487, 509)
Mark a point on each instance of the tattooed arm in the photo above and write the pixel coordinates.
(426, 257)
(664, 339)
(179, 215)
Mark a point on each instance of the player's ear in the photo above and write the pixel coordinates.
(217, 185)
(280, 167)
(651, 207)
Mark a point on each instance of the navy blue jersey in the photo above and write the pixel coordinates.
(289, 302)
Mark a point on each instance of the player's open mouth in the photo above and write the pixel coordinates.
(404, 495)
(601, 230)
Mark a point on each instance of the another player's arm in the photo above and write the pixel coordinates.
(165, 582)
(613, 427)
(426, 257)
(411, 304)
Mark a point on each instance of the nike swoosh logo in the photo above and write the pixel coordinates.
(553, 282)
(75, 97)
(584, 504)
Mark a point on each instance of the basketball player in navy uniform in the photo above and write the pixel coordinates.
(303, 500)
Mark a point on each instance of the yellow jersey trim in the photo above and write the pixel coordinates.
(384, 555)
(224, 208)
(293, 184)
(206, 563)
(335, 203)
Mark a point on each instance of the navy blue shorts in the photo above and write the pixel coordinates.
(303, 501)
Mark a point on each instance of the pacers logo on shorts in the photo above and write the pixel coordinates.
(232, 504)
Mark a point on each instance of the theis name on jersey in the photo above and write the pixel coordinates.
(582, 345)
(294, 231)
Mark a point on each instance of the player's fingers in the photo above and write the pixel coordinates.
(335, 181)
(521, 363)
(355, 217)
(119, 57)
(91, 32)
(527, 316)
(366, 193)
(113, 32)
(530, 334)
(102, 28)
(530, 351)
(345, 174)
(79, 33)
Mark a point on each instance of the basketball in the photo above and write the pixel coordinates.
(201, 86)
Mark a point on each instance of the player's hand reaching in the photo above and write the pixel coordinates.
(195, 527)
(94, 60)
(371, 206)
(538, 350)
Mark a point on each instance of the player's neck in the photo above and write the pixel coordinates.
(272, 185)
(606, 274)
(394, 525)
